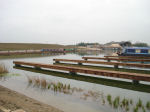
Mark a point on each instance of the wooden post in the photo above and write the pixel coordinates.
(8, 52)
(79, 63)
(135, 81)
(116, 66)
(38, 68)
(57, 62)
(85, 59)
(108, 60)
(72, 73)
(17, 65)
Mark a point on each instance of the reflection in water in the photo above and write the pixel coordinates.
(6, 76)
(83, 53)
(90, 86)
(3, 77)
(95, 52)
(103, 81)
(124, 105)
(55, 86)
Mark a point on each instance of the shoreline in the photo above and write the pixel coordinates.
(12, 100)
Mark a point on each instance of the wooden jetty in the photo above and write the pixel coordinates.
(117, 59)
(133, 57)
(136, 77)
(115, 64)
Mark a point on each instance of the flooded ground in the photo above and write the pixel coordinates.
(72, 95)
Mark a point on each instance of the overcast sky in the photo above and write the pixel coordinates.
(73, 21)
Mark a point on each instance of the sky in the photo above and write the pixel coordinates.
(73, 21)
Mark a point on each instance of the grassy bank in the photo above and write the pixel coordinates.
(27, 46)
(25, 56)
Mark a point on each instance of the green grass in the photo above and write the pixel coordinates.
(28, 46)
(24, 56)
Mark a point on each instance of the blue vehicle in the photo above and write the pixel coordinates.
(136, 51)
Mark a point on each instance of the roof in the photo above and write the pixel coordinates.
(137, 47)
(115, 46)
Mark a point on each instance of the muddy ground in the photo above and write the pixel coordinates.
(13, 100)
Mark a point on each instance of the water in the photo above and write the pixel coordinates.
(81, 97)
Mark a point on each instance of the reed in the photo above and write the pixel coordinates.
(116, 102)
(139, 103)
(103, 101)
(148, 105)
(109, 99)
(68, 87)
(29, 79)
(125, 102)
(143, 109)
(49, 86)
(135, 109)
(3, 69)
(36, 81)
(131, 101)
(43, 83)
(127, 109)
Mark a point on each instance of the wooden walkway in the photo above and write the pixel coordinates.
(133, 57)
(115, 64)
(117, 59)
(136, 77)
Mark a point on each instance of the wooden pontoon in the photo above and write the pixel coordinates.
(136, 77)
(115, 64)
(118, 59)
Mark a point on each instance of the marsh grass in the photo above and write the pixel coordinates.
(143, 109)
(36, 81)
(131, 101)
(135, 109)
(148, 105)
(109, 99)
(3, 69)
(29, 79)
(139, 103)
(124, 104)
(116, 102)
(43, 83)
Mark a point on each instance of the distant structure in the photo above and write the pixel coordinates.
(116, 45)
(125, 44)
(112, 47)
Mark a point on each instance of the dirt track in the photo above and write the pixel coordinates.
(13, 100)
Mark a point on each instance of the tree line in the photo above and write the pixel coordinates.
(137, 44)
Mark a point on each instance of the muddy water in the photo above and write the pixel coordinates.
(81, 97)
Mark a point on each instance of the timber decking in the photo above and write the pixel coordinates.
(116, 64)
(132, 57)
(117, 59)
(124, 75)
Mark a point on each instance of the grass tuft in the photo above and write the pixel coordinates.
(3, 69)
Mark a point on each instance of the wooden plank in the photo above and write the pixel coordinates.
(106, 63)
(135, 57)
(118, 59)
(116, 74)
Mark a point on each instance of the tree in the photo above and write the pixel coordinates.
(140, 44)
